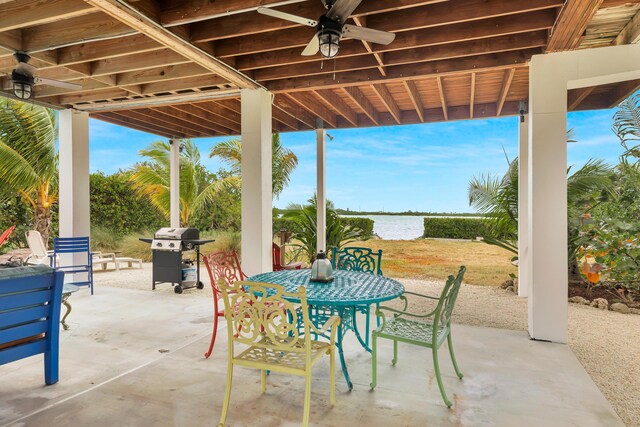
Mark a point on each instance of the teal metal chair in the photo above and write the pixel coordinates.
(426, 330)
(364, 260)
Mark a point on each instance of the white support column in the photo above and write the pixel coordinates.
(523, 207)
(550, 76)
(74, 174)
(73, 179)
(174, 183)
(321, 192)
(257, 233)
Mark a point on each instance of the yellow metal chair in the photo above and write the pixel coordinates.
(263, 317)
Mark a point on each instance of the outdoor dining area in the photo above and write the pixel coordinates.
(137, 355)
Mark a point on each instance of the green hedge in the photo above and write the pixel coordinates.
(365, 224)
(455, 228)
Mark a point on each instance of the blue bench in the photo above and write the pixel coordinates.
(30, 299)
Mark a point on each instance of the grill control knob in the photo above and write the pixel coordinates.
(159, 244)
(171, 245)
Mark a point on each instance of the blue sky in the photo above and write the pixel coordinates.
(423, 167)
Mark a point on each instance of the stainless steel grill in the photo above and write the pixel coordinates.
(168, 246)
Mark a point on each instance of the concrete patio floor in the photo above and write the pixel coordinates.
(135, 358)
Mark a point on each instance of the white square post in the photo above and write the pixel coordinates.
(550, 77)
(174, 183)
(74, 173)
(321, 192)
(257, 190)
(523, 206)
(74, 181)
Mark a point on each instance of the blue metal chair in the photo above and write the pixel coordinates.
(70, 246)
(364, 260)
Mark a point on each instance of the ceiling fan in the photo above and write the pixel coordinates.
(24, 77)
(331, 27)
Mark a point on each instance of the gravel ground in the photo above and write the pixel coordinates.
(606, 343)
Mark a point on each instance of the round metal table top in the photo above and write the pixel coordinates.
(347, 288)
(69, 289)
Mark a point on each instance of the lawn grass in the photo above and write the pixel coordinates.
(436, 259)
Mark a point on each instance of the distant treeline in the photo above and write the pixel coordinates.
(405, 213)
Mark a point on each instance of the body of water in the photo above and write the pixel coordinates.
(398, 227)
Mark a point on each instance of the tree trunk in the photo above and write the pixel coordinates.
(574, 271)
(42, 221)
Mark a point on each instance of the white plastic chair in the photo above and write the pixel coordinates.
(39, 252)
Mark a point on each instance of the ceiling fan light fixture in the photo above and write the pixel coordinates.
(329, 44)
(22, 85)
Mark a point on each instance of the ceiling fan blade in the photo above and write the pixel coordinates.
(367, 34)
(57, 83)
(342, 10)
(24, 68)
(312, 48)
(287, 16)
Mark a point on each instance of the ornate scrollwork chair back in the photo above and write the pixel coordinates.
(364, 260)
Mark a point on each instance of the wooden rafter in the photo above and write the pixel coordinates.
(337, 103)
(416, 100)
(155, 31)
(29, 13)
(361, 22)
(576, 96)
(504, 91)
(143, 127)
(472, 98)
(290, 107)
(361, 101)
(630, 33)
(443, 99)
(571, 24)
(388, 101)
(197, 111)
(313, 105)
(623, 91)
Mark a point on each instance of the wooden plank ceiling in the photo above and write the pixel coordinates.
(175, 67)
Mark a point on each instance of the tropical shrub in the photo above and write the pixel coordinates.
(104, 239)
(455, 228)
(305, 232)
(131, 246)
(115, 206)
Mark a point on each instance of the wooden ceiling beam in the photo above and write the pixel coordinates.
(73, 31)
(299, 37)
(337, 103)
(29, 13)
(630, 33)
(178, 84)
(213, 121)
(98, 95)
(178, 12)
(388, 101)
(118, 120)
(170, 117)
(191, 120)
(140, 61)
(155, 31)
(252, 23)
(622, 91)
(138, 117)
(234, 118)
(313, 105)
(472, 98)
(107, 49)
(465, 65)
(361, 100)
(576, 96)
(11, 41)
(569, 28)
(407, 56)
(284, 118)
(361, 22)
(443, 99)
(504, 91)
(231, 105)
(160, 74)
(415, 98)
(290, 107)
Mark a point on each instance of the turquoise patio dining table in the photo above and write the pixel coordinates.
(348, 290)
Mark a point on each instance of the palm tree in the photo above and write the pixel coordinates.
(497, 199)
(28, 159)
(284, 161)
(151, 179)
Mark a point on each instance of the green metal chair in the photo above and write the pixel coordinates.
(364, 260)
(426, 330)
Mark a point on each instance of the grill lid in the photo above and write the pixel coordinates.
(177, 233)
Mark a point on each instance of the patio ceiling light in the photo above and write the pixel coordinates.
(329, 43)
(21, 85)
